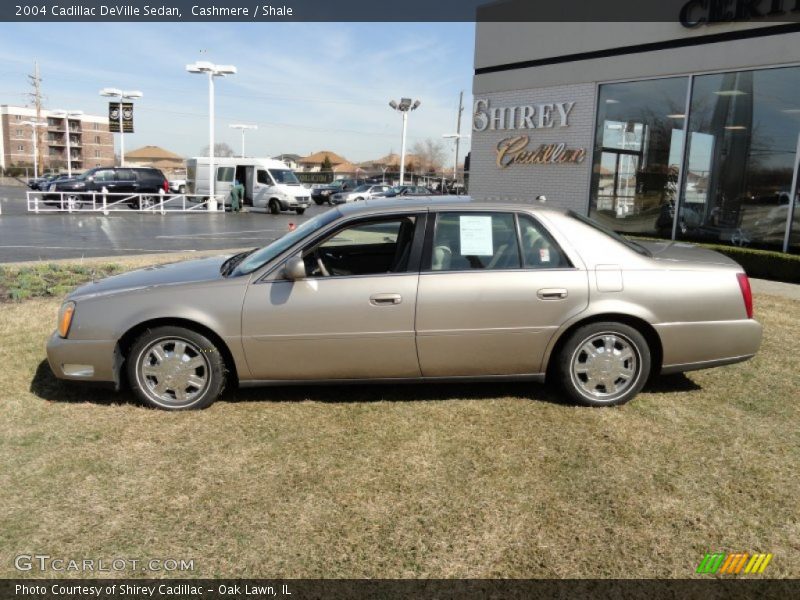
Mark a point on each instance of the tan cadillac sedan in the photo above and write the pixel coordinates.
(418, 290)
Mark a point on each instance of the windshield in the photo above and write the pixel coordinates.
(262, 256)
(611, 233)
(362, 188)
(284, 176)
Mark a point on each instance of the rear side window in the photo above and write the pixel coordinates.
(539, 250)
(125, 175)
(225, 174)
(475, 241)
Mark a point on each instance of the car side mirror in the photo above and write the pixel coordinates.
(295, 268)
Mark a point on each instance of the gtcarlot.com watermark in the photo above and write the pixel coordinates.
(41, 563)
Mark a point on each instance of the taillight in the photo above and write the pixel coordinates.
(166, 185)
(747, 293)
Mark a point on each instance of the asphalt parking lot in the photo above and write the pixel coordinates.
(46, 236)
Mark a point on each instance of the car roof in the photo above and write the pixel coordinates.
(380, 205)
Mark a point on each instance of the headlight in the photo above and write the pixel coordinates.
(65, 318)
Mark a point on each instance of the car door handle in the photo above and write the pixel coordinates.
(385, 299)
(552, 293)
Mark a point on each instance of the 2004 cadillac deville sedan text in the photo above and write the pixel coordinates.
(415, 290)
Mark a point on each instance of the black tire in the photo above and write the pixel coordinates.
(586, 378)
(181, 189)
(359, 198)
(274, 207)
(299, 211)
(145, 378)
(318, 201)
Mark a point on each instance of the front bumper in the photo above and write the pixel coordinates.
(82, 360)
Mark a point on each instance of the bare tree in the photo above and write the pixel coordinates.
(429, 156)
(221, 149)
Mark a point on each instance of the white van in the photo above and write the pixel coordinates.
(268, 184)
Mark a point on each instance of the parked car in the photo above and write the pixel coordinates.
(42, 183)
(424, 290)
(142, 183)
(405, 190)
(322, 193)
(362, 192)
(177, 186)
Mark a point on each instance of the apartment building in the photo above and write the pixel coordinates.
(90, 143)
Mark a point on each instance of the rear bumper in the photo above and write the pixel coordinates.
(82, 360)
(691, 346)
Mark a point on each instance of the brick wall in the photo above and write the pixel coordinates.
(564, 185)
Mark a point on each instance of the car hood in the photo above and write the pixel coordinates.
(682, 252)
(190, 271)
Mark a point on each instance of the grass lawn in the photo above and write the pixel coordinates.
(405, 481)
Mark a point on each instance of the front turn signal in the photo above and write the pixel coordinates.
(65, 318)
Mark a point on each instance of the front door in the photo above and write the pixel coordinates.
(351, 318)
(495, 288)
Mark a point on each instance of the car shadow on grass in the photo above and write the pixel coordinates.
(46, 386)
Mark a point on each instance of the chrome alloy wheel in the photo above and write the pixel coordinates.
(604, 366)
(173, 372)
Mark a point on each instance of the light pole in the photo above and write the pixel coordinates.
(405, 106)
(243, 128)
(67, 114)
(122, 95)
(457, 137)
(212, 70)
(34, 125)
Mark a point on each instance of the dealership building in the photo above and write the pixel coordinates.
(593, 117)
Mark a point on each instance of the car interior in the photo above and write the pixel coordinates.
(368, 248)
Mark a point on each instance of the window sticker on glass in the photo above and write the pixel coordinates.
(544, 255)
(476, 236)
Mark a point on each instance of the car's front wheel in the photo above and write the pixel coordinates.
(604, 364)
(175, 368)
(274, 207)
(300, 211)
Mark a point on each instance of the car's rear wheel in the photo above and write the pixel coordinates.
(175, 368)
(318, 201)
(604, 364)
(146, 201)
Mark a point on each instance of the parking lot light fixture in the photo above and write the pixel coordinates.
(405, 106)
(34, 125)
(122, 95)
(67, 115)
(243, 128)
(199, 68)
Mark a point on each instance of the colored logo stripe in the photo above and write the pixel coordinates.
(732, 564)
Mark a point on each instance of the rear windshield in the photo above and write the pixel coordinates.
(610, 233)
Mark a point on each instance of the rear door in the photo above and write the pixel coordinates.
(494, 287)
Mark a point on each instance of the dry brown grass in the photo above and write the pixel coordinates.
(415, 481)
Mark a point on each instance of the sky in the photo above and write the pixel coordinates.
(307, 86)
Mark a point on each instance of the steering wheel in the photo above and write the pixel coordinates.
(322, 268)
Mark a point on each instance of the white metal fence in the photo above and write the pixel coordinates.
(106, 202)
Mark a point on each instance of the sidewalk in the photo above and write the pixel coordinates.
(776, 288)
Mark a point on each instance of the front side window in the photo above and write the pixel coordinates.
(125, 175)
(480, 241)
(262, 177)
(373, 247)
(283, 176)
(104, 175)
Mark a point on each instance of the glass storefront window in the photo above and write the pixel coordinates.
(637, 153)
(744, 128)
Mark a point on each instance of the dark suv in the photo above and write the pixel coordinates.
(142, 183)
(322, 193)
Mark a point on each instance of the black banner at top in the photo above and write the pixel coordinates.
(114, 120)
(706, 12)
